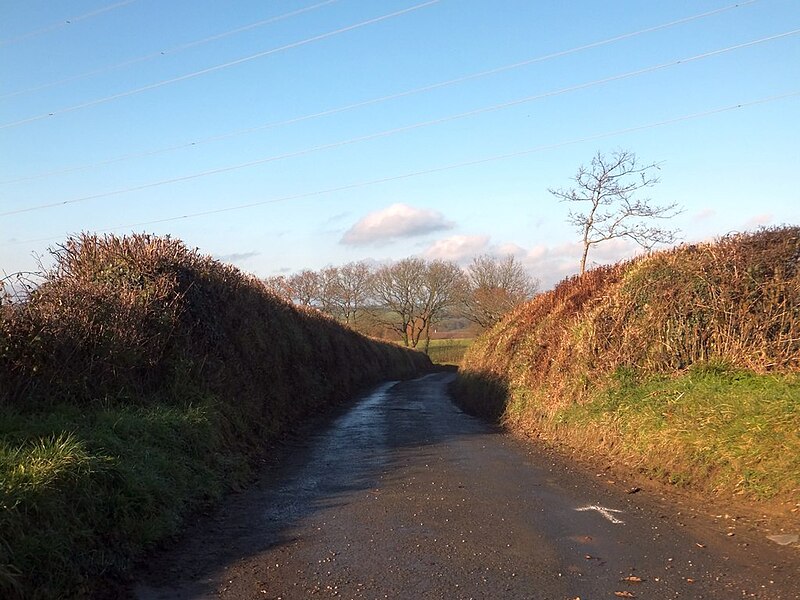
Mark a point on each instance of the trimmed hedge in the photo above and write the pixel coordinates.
(136, 384)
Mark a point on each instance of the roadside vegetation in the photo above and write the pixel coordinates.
(138, 383)
(448, 351)
(682, 364)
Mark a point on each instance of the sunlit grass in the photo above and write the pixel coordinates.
(448, 352)
(681, 364)
(726, 430)
(81, 492)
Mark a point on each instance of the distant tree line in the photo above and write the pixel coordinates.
(410, 297)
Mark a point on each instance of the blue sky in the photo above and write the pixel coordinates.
(312, 114)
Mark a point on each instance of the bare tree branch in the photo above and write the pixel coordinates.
(610, 186)
(395, 289)
(495, 286)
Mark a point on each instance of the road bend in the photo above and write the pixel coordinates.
(404, 496)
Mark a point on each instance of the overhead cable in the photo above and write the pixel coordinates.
(394, 131)
(448, 167)
(64, 23)
(168, 51)
(374, 101)
(219, 67)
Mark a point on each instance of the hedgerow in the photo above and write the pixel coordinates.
(568, 366)
(137, 383)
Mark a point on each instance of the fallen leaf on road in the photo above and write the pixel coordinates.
(633, 490)
(632, 578)
(699, 545)
(624, 594)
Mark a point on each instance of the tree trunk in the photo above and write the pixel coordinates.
(583, 257)
(427, 337)
(586, 231)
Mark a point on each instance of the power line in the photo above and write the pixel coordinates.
(219, 67)
(405, 128)
(64, 23)
(381, 99)
(429, 171)
(173, 50)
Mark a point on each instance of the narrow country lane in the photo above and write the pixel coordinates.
(404, 496)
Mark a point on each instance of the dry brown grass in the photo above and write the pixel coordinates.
(136, 383)
(734, 302)
(534, 347)
(133, 319)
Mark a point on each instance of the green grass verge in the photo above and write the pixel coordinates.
(136, 385)
(448, 352)
(82, 491)
(711, 427)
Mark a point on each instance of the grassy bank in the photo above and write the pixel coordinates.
(137, 385)
(682, 365)
(86, 491)
(736, 430)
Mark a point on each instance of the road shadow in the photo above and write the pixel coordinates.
(482, 395)
(314, 470)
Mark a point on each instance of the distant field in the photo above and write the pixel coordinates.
(448, 352)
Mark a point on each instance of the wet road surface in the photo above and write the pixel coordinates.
(404, 496)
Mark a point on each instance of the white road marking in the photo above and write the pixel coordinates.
(606, 512)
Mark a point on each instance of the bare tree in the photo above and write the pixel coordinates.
(443, 284)
(395, 289)
(353, 287)
(342, 292)
(412, 295)
(304, 287)
(495, 286)
(327, 297)
(278, 285)
(407, 297)
(609, 186)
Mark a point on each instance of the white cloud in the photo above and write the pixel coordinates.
(548, 264)
(396, 221)
(551, 264)
(237, 257)
(705, 214)
(758, 221)
(538, 252)
(513, 249)
(458, 248)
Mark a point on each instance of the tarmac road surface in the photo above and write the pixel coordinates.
(404, 496)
